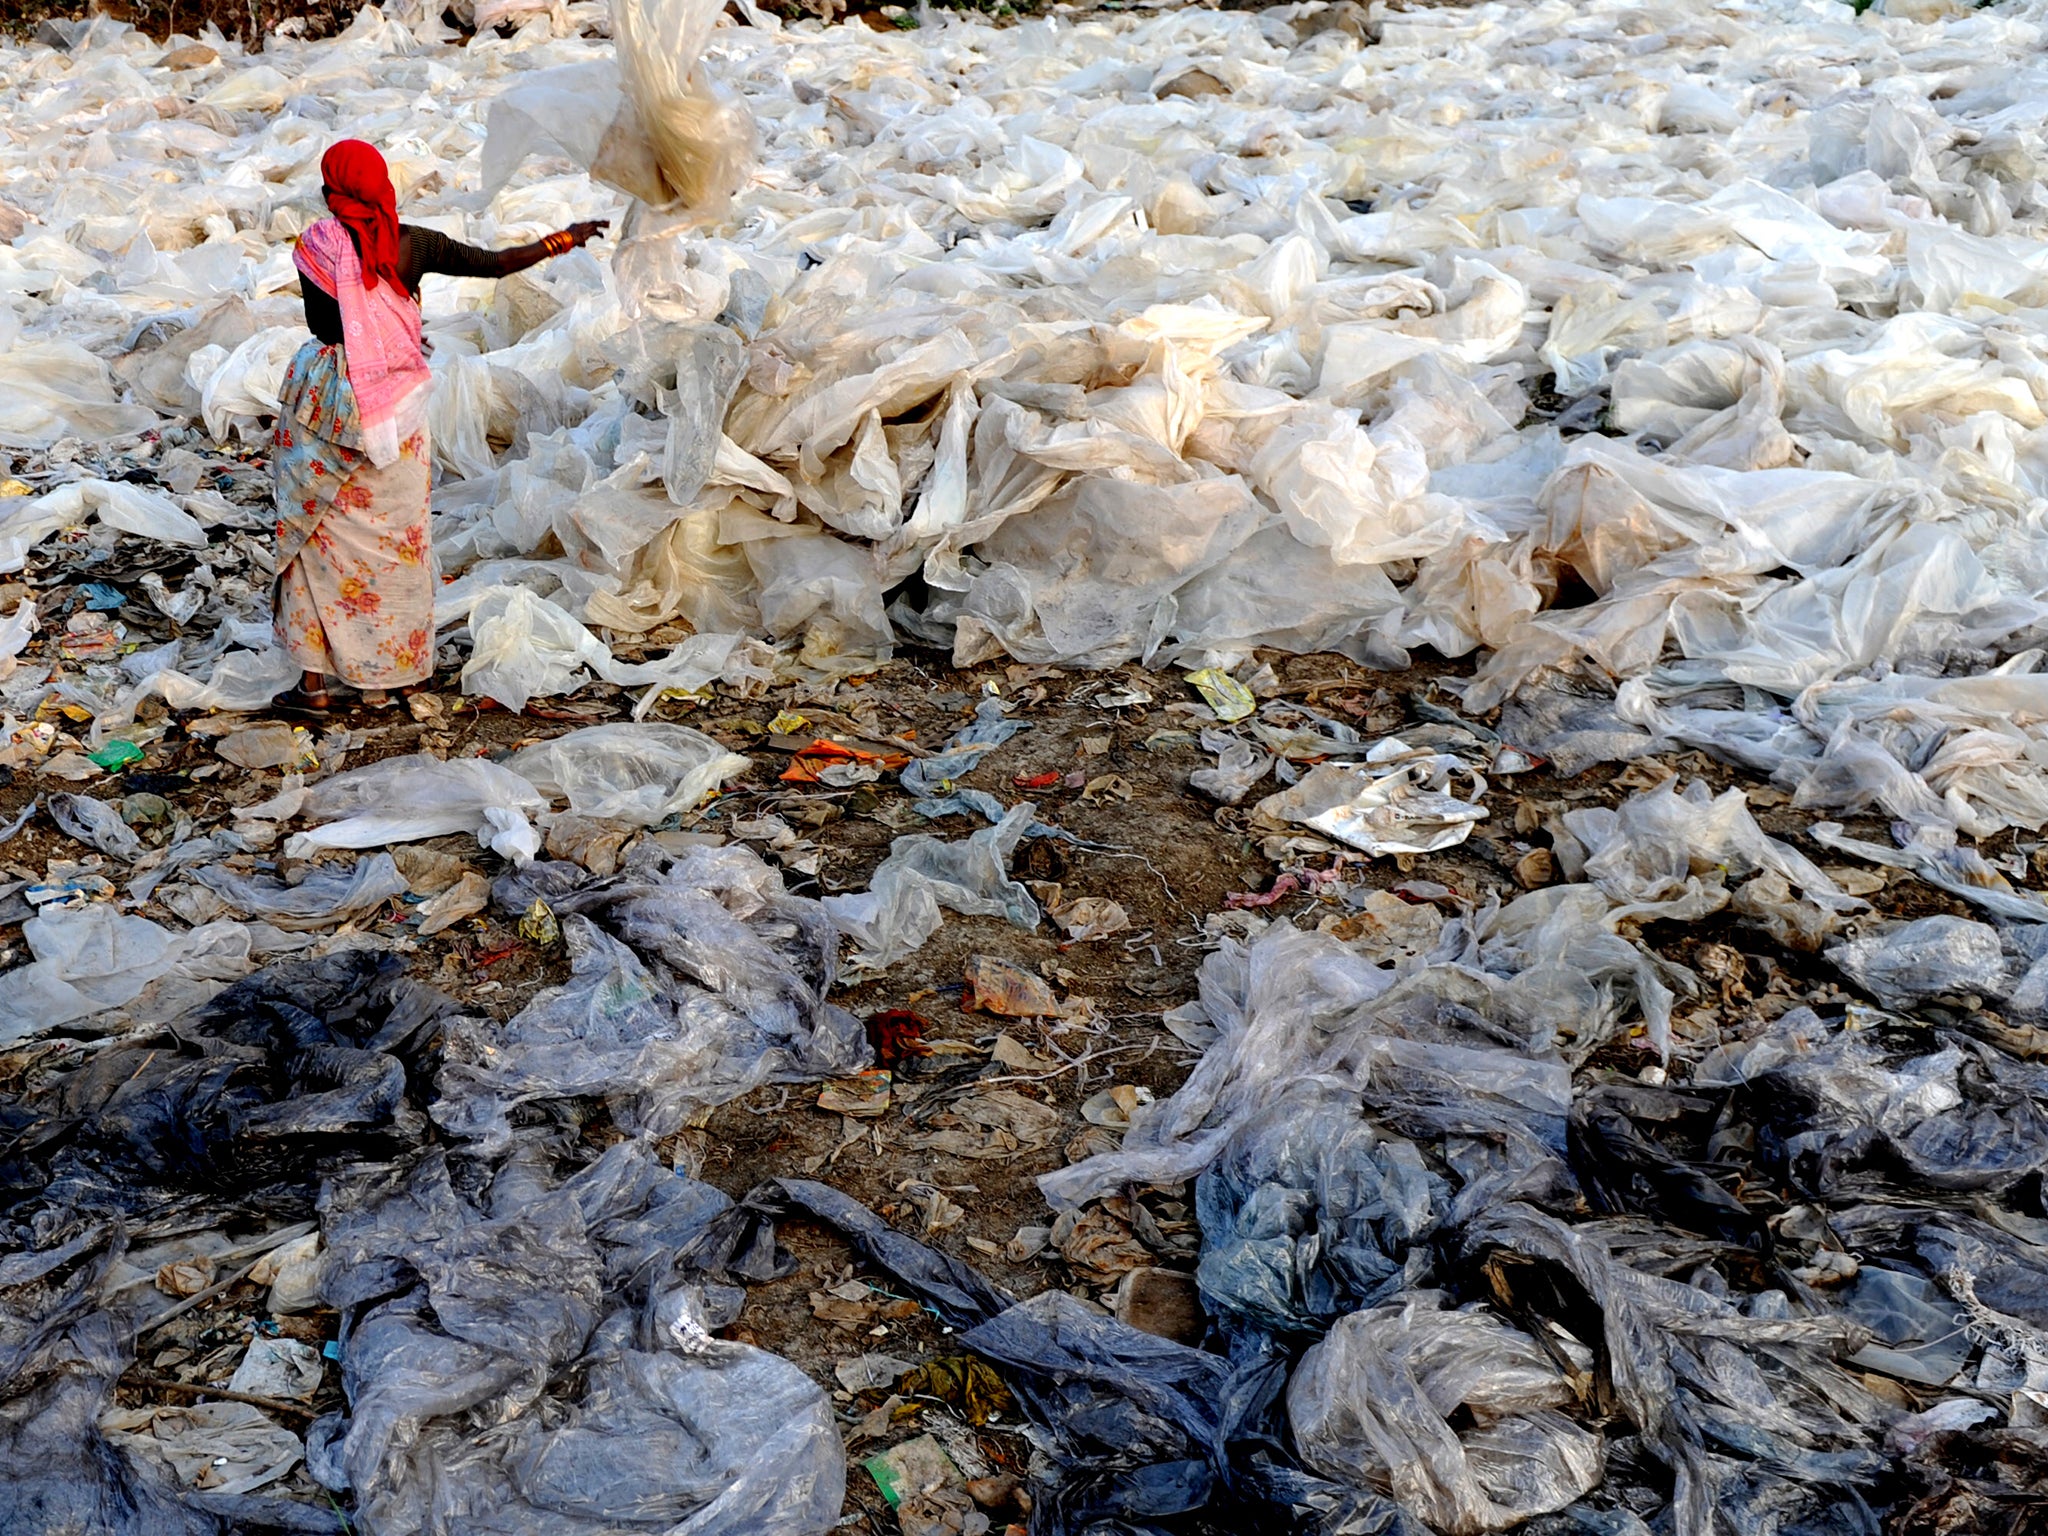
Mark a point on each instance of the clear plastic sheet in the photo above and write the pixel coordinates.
(640, 774)
(692, 981)
(922, 874)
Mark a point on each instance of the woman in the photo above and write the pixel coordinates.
(355, 578)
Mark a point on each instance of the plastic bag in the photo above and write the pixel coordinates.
(97, 823)
(690, 984)
(229, 1111)
(640, 774)
(490, 1304)
(89, 960)
(243, 388)
(15, 632)
(1239, 766)
(1394, 802)
(56, 389)
(228, 1448)
(1308, 1212)
(404, 799)
(900, 908)
(130, 508)
(934, 775)
(1271, 1005)
(525, 647)
(1909, 963)
(327, 895)
(1369, 1406)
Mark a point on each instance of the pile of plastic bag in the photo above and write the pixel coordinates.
(1163, 337)
(1685, 362)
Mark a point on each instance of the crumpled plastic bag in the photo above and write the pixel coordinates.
(526, 647)
(91, 959)
(327, 895)
(1370, 1403)
(132, 509)
(900, 908)
(1393, 802)
(640, 773)
(404, 799)
(97, 824)
(689, 986)
(1907, 963)
(456, 1307)
(225, 1448)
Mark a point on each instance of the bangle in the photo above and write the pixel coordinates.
(559, 243)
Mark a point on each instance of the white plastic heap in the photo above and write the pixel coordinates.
(1079, 322)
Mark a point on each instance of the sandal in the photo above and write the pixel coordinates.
(376, 698)
(304, 701)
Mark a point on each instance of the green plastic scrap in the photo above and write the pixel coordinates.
(916, 1466)
(116, 755)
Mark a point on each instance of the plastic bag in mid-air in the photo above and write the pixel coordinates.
(654, 126)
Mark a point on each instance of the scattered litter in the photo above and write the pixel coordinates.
(1396, 802)
(271, 745)
(1619, 1170)
(284, 1369)
(221, 1449)
(1224, 694)
(996, 986)
(864, 1097)
(469, 895)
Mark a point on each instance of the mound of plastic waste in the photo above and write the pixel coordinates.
(1682, 363)
(1002, 340)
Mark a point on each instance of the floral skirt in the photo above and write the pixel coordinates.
(354, 597)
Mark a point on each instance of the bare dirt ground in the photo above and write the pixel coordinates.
(1115, 777)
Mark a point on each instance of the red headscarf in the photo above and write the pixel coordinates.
(358, 190)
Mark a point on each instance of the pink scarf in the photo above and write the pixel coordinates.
(380, 340)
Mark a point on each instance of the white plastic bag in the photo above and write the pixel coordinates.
(641, 773)
(404, 799)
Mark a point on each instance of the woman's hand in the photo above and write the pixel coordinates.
(584, 233)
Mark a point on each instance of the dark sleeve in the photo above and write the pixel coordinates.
(323, 314)
(430, 251)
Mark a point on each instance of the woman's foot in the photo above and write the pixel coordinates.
(303, 701)
(310, 697)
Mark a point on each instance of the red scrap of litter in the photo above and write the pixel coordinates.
(897, 1033)
(493, 956)
(1284, 887)
(1038, 780)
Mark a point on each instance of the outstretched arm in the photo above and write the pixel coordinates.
(434, 252)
